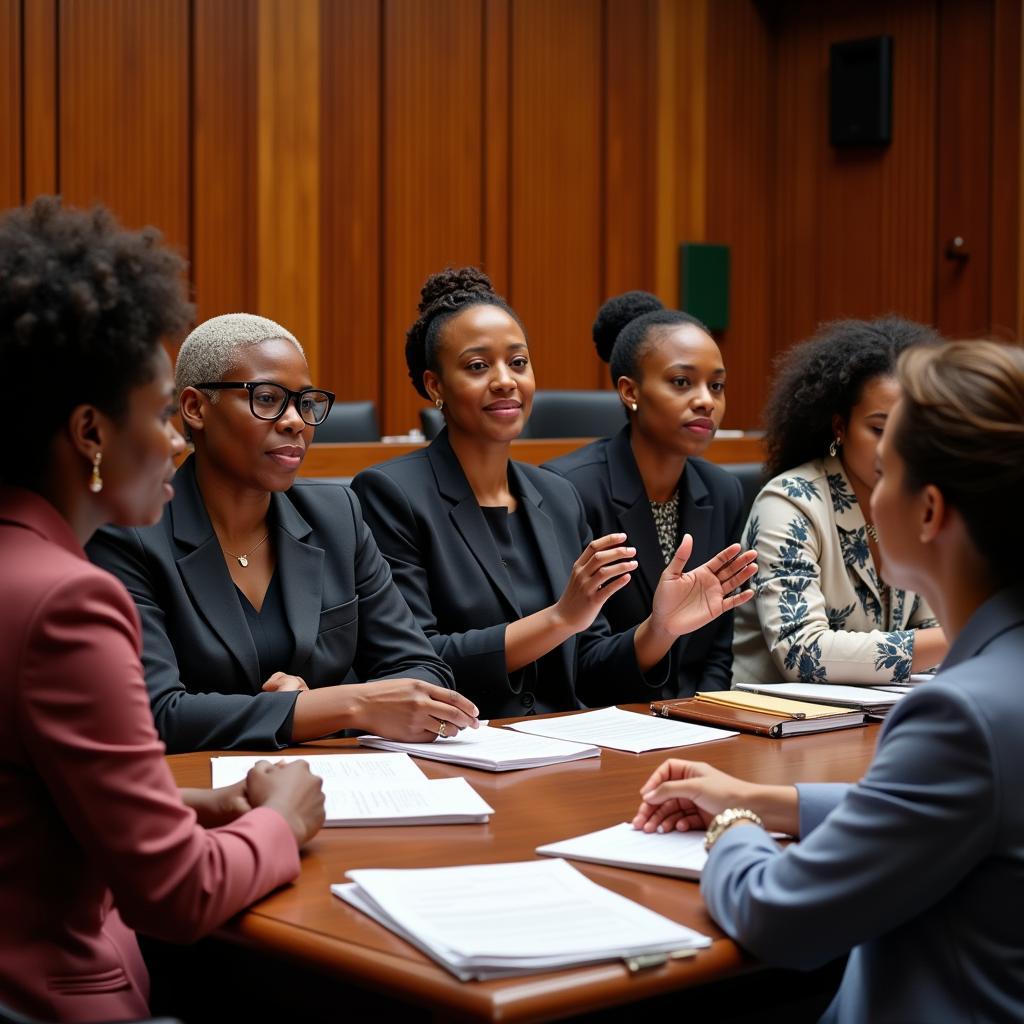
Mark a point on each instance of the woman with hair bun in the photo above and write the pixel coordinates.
(823, 611)
(648, 481)
(916, 869)
(488, 551)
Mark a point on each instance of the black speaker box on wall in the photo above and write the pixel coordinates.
(860, 92)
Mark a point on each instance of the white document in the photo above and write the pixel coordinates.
(494, 750)
(495, 920)
(622, 730)
(430, 802)
(365, 768)
(679, 854)
(867, 698)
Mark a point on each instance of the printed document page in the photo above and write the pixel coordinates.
(622, 730)
(430, 802)
(366, 768)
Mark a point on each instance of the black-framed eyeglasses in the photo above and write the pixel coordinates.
(268, 401)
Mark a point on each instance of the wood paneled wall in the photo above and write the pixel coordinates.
(315, 159)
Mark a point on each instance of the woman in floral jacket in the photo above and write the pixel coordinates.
(823, 612)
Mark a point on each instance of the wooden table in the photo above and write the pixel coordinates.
(304, 921)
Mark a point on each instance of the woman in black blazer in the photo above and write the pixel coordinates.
(487, 551)
(647, 481)
(256, 596)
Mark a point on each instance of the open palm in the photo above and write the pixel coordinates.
(685, 601)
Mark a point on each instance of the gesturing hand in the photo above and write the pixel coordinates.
(685, 601)
(599, 572)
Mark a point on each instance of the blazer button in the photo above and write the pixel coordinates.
(528, 700)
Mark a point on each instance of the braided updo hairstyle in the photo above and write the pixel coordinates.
(444, 295)
(626, 324)
(962, 429)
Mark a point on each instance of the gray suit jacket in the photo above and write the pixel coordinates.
(202, 670)
(919, 867)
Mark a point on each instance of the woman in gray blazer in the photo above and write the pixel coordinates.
(259, 593)
(487, 552)
(917, 868)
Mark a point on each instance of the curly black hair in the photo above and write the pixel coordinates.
(83, 307)
(623, 329)
(826, 376)
(444, 295)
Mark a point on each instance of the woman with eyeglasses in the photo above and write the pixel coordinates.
(916, 869)
(259, 594)
(97, 839)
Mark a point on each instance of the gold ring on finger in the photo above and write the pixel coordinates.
(442, 729)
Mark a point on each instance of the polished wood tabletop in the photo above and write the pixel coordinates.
(534, 806)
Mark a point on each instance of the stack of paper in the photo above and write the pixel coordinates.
(494, 750)
(496, 920)
(679, 854)
(376, 789)
(622, 730)
(869, 699)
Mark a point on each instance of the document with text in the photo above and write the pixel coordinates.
(622, 730)
(496, 920)
(366, 768)
(494, 750)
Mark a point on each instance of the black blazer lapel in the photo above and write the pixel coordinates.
(201, 566)
(633, 510)
(469, 520)
(300, 566)
(543, 532)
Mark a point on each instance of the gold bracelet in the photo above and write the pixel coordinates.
(728, 817)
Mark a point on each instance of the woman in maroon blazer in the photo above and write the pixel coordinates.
(97, 838)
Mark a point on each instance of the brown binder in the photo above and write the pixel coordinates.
(743, 720)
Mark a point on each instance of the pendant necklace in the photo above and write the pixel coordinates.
(243, 560)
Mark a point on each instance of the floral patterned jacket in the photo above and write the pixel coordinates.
(819, 615)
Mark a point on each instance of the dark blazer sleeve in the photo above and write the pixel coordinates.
(474, 654)
(717, 671)
(186, 721)
(391, 645)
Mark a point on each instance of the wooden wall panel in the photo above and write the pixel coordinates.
(432, 174)
(1006, 315)
(557, 210)
(288, 168)
(740, 179)
(10, 103)
(224, 235)
(350, 200)
(124, 110)
(629, 151)
(496, 143)
(39, 34)
(964, 169)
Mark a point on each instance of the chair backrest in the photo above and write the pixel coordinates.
(349, 421)
(575, 414)
(752, 479)
(431, 422)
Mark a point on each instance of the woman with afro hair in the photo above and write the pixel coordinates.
(823, 612)
(649, 481)
(487, 551)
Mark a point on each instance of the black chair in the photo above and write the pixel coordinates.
(349, 421)
(575, 414)
(431, 422)
(752, 479)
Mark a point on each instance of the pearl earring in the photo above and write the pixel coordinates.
(96, 481)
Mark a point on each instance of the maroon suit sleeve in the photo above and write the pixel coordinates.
(88, 728)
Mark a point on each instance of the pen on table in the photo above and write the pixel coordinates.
(645, 961)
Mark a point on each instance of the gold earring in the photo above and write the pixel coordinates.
(632, 406)
(834, 446)
(96, 481)
(439, 403)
